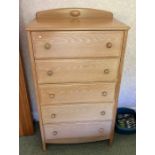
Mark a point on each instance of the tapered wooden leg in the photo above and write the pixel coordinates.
(111, 138)
(44, 146)
(110, 141)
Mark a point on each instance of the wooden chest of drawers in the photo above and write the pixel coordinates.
(76, 58)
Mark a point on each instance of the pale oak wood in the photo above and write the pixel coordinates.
(33, 69)
(76, 112)
(77, 140)
(79, 67)
(72, 132)
(88, 19)
(71, 13)
(74, 93)
(118, 86)
(59, 71)
(77, 25)
(77, 44)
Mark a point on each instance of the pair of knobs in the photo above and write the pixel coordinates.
(104, 93)
(48, 45)
(50, 72)
(101, 130)
(101, 113)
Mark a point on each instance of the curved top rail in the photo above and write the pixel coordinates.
(73, 13)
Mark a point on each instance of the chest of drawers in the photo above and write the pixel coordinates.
(76, 59)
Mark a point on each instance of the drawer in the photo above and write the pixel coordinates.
(71, 93)
(71, 44)
(77, 132)
(60, 71)
(76, 112)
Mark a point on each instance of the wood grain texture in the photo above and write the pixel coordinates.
(72, 132)
(75, 54)
(85, 19)
(118, 86)
(59, 71)
(77, 44)
(33, 69)
(76, 112)
(74, 93)
(76, 140)
(25, 116)
(77, 25)
(73, 13)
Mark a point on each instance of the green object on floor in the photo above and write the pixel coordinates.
(122, 145)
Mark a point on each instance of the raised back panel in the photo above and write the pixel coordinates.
(73, 13)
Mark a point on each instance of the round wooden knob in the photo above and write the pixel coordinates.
(47, 46)
(109, 45)
(49, 73)
(53, 115)
(104, 93)
(106, 71)
(75, 13)
(51, 95)
(55, 133)
(39, 36)
(101, 130)
(102, 113)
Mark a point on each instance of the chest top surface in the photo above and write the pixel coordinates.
(75, 19)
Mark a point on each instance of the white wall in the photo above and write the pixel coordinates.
(122, 10)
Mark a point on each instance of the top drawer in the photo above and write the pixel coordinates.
(77, 44)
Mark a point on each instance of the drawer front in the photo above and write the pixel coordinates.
(57, 71)
(71, 93)
(76, 112)
(71, 44)
(90, 131)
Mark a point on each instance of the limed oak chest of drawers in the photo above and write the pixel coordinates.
(76, 58)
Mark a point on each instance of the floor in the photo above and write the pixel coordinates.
(122, 145)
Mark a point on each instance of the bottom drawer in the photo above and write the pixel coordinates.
(77, 132)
